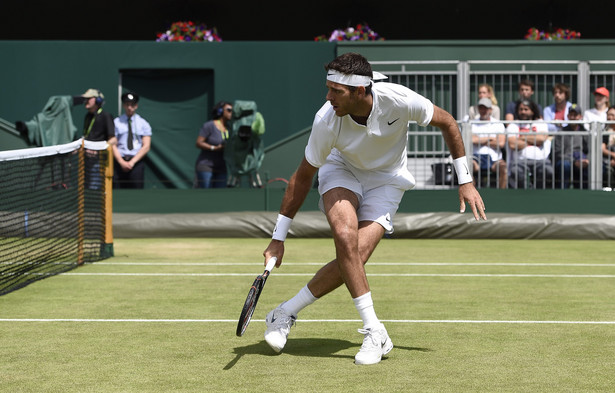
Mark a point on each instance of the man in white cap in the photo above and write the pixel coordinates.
(358, 146)
(98, 126)
(489, 140)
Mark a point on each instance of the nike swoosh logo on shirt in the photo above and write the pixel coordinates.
(391, 122)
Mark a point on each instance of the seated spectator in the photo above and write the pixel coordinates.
(601, 105)
(485, 90)
(608, 151)
(488, 140)
(526, 91)
(570, 152)
(529, 148)
(559, 109)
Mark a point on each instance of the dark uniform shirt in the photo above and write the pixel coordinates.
(102, 129)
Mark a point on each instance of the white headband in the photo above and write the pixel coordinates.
(352, 79)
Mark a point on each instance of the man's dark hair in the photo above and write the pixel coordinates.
(533, 106)
(526, 82)
(563, 88)
(352, 63)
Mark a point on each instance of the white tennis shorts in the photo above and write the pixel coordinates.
(378, 198)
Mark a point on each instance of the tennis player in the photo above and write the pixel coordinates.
(358, 147)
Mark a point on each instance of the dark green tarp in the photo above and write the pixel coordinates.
(54, 124)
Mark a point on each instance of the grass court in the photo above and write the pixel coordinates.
(464, 316)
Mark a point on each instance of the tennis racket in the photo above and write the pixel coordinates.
(252, 299)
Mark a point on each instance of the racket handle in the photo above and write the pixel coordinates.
(271, 263)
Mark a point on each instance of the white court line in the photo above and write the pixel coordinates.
(369, 264)
(464, 321)
(311, 274)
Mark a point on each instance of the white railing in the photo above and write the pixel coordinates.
(452, 84)
(430, 163)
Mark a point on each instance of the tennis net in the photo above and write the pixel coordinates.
(53, 211)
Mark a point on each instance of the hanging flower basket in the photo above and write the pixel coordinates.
(187, 32)
(362, 32)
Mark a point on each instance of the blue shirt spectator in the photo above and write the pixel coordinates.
(559, 109)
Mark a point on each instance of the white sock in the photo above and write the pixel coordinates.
(301, 300)
(365, 307)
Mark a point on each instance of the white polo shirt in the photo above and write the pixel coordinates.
(491, 130)
(380, 146)
(530, 152)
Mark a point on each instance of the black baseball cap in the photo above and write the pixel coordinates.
(130, 97)
(575, 108)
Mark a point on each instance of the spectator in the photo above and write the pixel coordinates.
(134, 136)
(601, 105)
(489, 140)
(486, 90)
(210, 164)
(98, 126)
(529, 153)
(559, 109)
(570, 152)
(526, 91)
(608, 150)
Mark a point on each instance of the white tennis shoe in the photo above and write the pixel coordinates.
(376, 344)
(279, 323)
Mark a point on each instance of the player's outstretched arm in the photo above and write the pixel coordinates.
(298, 187)
(468, 194)
(452, 136)
(450, 131)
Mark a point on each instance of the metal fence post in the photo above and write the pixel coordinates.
(463, 88)
(583, 84)
(595, 158)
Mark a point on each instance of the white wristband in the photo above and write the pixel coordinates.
(461, 167)
(282, 226)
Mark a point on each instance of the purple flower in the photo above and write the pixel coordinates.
(188, 31)
(361, 32)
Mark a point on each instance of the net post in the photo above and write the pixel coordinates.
(53, 199)
(81, 204)
(107, 250)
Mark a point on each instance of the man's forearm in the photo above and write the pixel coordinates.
(298, 187)
(450, 131)
(294, 196)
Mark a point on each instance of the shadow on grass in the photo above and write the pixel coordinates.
(313, 347)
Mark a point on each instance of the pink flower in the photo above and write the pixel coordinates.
(361, 32)
(557, 34)
(188, 31)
